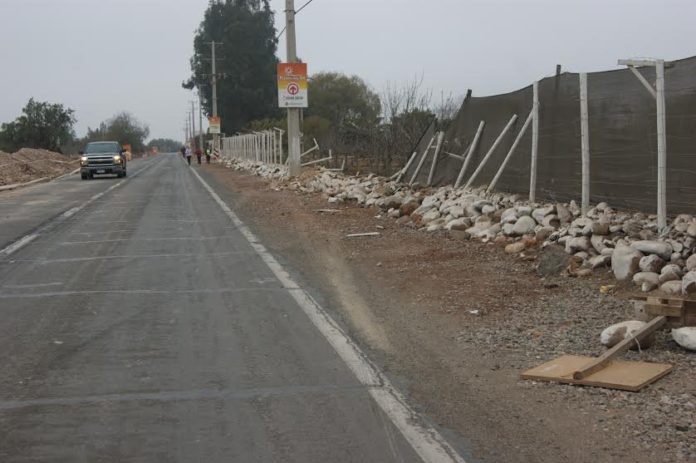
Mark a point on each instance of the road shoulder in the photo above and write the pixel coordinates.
(454, 323)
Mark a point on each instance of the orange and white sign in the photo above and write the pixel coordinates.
(292, 85)
(214, 124)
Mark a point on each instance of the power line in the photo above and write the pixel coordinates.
(296, 12)
(303, 7)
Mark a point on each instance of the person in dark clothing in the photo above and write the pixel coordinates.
(183, 151)
(207, 155)
(199, 153)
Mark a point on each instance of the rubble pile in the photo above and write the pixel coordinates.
(257, 168)
(29, 164)
(627, 242)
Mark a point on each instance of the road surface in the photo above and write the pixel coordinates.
(145, 326)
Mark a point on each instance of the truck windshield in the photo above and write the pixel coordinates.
(93, 148)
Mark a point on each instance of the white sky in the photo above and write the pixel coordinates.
(100, 57)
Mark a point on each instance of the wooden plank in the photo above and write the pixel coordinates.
(403, 171)
(602, 361)
(663, 310)
(433, 166)
(356, 235)
(490, 151)
(422, 160)
(494, 182)
(535, 144)
(469, 154)
(584, 144)
(619, 374)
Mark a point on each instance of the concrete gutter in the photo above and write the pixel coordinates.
(14, 186)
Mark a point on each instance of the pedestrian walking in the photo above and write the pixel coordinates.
(207, 155)
(188, 155)
(182, 150)
(199, 153)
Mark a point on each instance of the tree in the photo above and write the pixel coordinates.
(246, 61)
(342, 100)
(164, 145)
(123, 128)
(41, 125)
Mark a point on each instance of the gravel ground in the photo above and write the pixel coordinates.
(458, 321)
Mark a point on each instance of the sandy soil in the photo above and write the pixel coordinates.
(30, 164)
(455, 323)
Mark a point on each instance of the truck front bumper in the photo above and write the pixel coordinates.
(105, 169)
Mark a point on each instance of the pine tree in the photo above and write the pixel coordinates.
(246, 62)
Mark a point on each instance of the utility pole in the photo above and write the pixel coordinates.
(293, 113)
(200, 121)
(193, 126)
(216, 137)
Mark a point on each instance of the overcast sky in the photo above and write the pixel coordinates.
(100, 57)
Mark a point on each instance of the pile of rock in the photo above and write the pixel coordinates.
(270, 171)
(629, 243)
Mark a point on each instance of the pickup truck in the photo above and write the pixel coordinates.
(102, 157)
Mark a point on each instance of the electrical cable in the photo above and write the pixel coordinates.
(296, 12)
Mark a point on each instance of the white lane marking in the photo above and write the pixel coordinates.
(26, 239)
(183, 395)
(185, 238)
(146, 292)
(20, 243)
(35, 285)
(103, 232)
(70, 212)
(425, 440)
(131, 256)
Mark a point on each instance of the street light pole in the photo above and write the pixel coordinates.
(293, 113)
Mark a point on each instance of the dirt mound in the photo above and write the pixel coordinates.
(29, 164)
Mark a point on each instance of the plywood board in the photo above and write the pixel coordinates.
(628, 376)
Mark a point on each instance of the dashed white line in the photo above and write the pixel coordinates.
(26, 239)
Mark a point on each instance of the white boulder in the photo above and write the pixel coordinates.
(660, 248)
(600, 261)
(651, 263)
(541, 212)
(429, 216)
(685, 337)
(691, 263)
(689, 283)
(581, 243)
(671, 288)
(617, 332)
(646, 280)
(625, 261)
(524, 225)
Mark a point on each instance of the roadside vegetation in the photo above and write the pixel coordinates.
(370, 130)
(51, 126)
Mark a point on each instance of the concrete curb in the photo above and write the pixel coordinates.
(14, 186)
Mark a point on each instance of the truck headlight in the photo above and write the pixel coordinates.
(83, 159)
(117, 159)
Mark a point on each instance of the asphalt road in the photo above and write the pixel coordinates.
(145, 327)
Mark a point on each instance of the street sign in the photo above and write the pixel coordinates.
(292, 85)
(213, 124)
